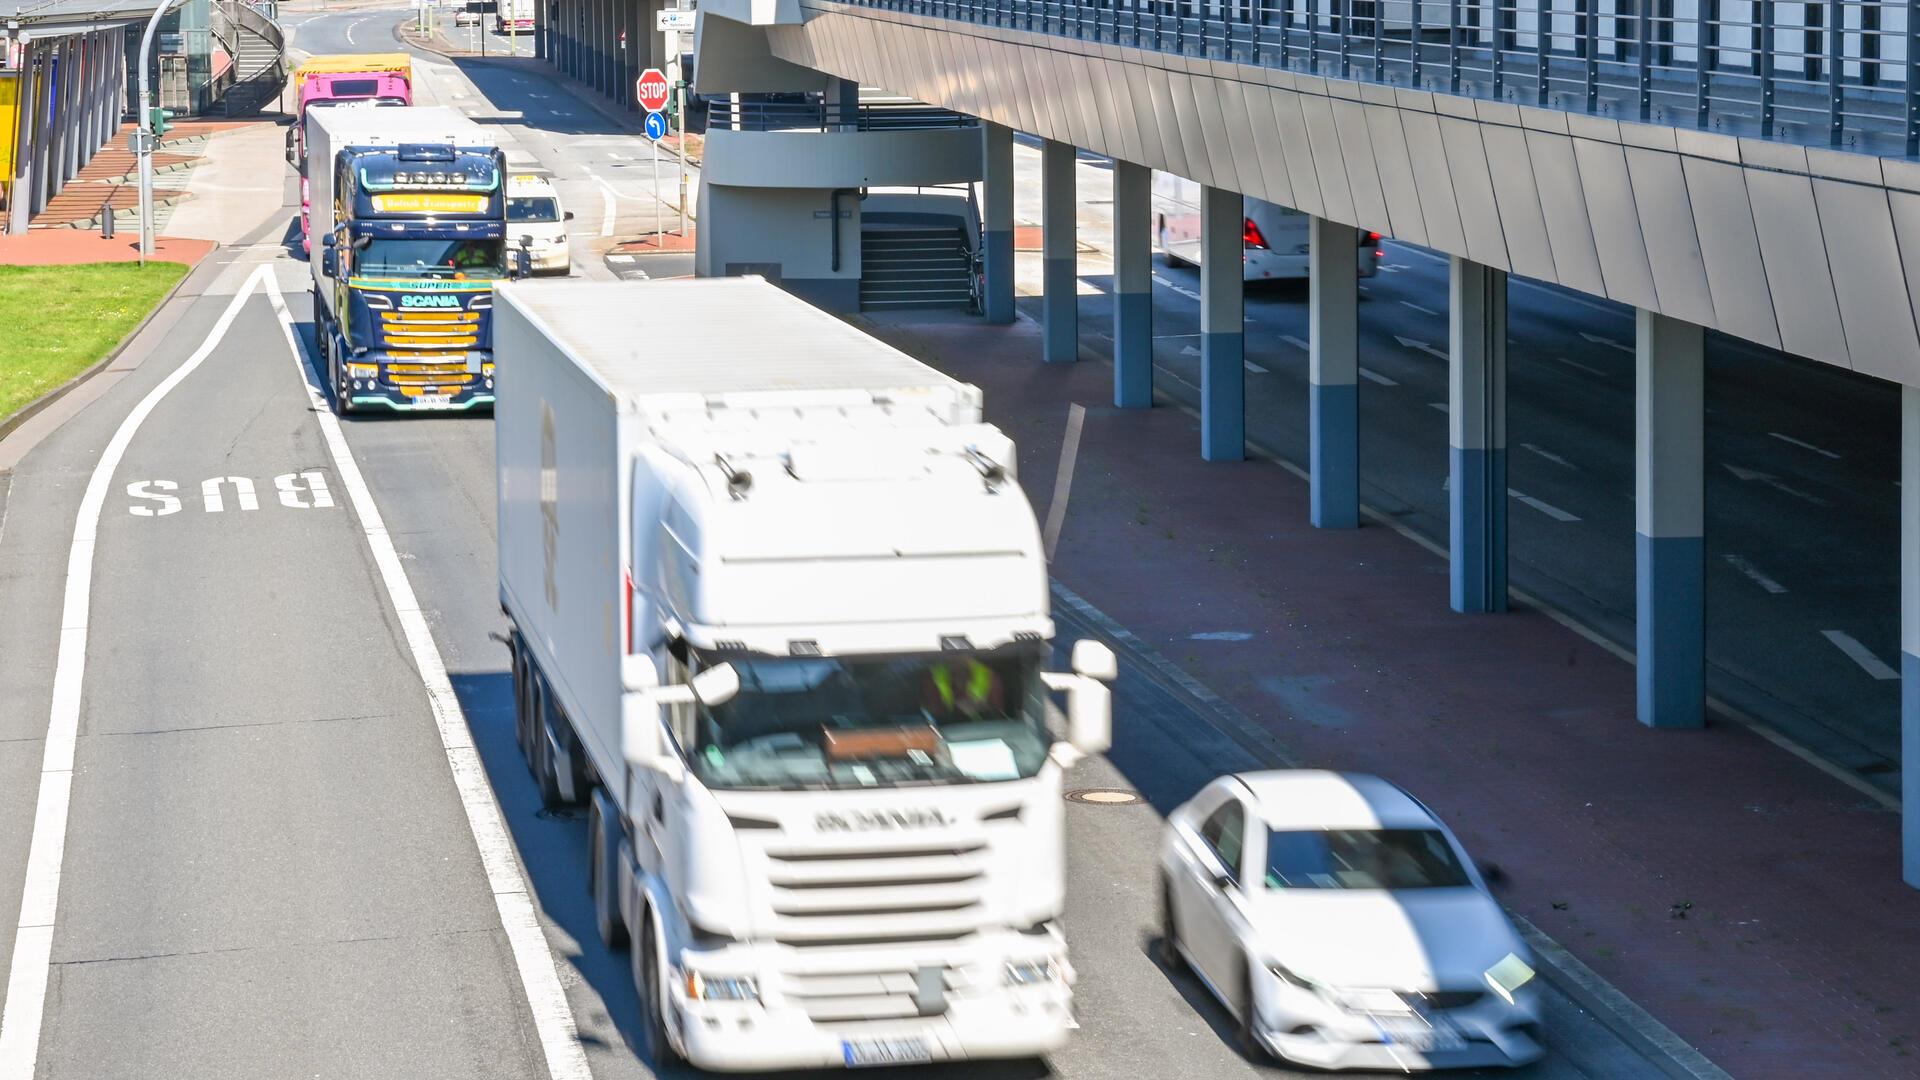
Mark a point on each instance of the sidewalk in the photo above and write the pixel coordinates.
(1744, 898)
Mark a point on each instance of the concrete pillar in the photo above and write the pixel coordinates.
(997, 229)
(842, 100)
(85, 144)
(1910, 634)
(70, 99)
(59, 130)
(1060, 304)
(1477, 437)
(1333, 370)
(1223, 353)
(1132, 285)
(20, 191)
(42, 129)
(1669, 507)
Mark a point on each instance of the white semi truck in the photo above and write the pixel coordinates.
(780, 617)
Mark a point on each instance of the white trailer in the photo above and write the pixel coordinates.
(780, 616)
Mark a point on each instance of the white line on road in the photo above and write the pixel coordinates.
(607, 208)
(1860, 654)
(1602, 339)
(512, 897)
(1181, 289)
(1063, 480)
(1804, 445)
(1296, 343)
(1253, 367)
(1441, 405)
(1549, 455)
(1374, 376)
(1754, 573)
(29, 969)
(1774, 483)
(1581, 367)
(1420, 346)
(1189, 350)
(1546, 508)
(1418, 308)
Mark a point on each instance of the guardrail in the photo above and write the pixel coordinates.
(1842, 73)
(817, 115)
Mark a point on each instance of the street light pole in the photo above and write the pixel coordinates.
(143, 145)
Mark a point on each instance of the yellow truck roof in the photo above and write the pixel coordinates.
(340, 63)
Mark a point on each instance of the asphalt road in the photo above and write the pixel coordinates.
(1802, 462)
(268, 871)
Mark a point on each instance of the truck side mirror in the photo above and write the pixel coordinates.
(716, 685)
(1094, 660)
(523, 259)
(1090, 717)
(329, 262)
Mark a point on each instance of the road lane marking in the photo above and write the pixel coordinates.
(30, 967)
(1774, 482)
(1418, 308)
(607, 208)
(512, 897)
(1582, 367)
(156, 491)
(1183, 291)
(1421, 346)
(1754, 573)
(1253, 367)
(1374, 376)
(1063, 479)
(1296, 343)
(1546, 508)
(242, 491)
(1860, 654)
(1602, 339)
(1550, 456)
(1804, 445)
(1221, 635)
(1250, 365)
(1441, 405)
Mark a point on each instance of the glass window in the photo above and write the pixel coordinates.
(385, 257)
(874, 722)
(355, 88)
(533, 208)
(1225, 832)
(1362, 859)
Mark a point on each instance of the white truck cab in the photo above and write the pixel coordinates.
(817, 736)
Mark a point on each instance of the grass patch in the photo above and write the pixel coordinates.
(56, 321)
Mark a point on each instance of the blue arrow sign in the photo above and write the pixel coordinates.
(656, 126)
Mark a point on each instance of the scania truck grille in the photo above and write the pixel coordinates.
(876, 992)
(878, 895)
(430, 329)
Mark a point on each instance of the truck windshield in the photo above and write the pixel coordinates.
(853, 723)
(470, 259)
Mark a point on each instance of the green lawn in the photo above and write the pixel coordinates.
(56, 321)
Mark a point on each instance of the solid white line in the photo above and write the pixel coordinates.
(552, 1018)
(1546, 508)
(1063, 480)
(1549, 455)
(607, 208)
(1418, 308)
(1754, 573)
(29, 970)
(1860, 654)
(1804, 445)
(1374, 376)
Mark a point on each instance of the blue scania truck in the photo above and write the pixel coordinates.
(410, 234)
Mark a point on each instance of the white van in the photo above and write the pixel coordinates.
(1275, 236)
(533, 212)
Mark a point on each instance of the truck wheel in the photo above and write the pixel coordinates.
(653, 1025)
(342, 402)
(522, 698)
(603, 875)
(542, 760)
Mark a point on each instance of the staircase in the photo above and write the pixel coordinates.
(259, 61)
(914, 266)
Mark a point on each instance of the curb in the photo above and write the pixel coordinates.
(33, 407)
(1615, 1011)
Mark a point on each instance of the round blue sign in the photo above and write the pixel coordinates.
(656, 126)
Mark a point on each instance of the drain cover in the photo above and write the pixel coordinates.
(1104, 796)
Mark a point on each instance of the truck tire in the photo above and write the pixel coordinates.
(646, 979)
(522, 696)
(541, 761)
(603, 871)
(342, 402)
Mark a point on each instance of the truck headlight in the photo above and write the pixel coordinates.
(1508, 976)
(363, 371)
(1032, 973)
(720, 987)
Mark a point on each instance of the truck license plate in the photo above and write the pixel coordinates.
(432, 401)
(1415, 1035)
(860, 1053)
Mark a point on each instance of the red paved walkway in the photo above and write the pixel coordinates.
(50, 247)
(1746, 899)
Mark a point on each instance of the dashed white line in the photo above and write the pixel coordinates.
(1441, 405)
(512, 897)
(1418, 308)
(1253, 367)
(1577, 365)
(1063, 478)
(1602, 339)
(1296, 342)
(1546, 508)
(30, 966)
(1374, 376)
(1804, 445)
(1549, 455)
(1753, 573)
(1861, 655)
(1181, 289)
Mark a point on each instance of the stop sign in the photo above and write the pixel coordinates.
(651, 89)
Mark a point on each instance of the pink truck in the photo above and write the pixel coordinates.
(366, 80)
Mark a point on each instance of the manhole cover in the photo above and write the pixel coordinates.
(1104, 796)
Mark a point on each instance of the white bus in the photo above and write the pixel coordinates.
(1276, 237)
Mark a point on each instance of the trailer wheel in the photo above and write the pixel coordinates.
(603, 877)
(522, 698)
(646, 979)
(542, 758)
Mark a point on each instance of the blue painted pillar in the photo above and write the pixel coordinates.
(1132, 285)
(1060, 282)
(1223, 355)
(1669, 505)
(997, 229)
(1477, 436)
(1333, 369)
(1910, 634)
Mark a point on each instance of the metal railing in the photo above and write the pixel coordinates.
(1829, 72)
(815, 114)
